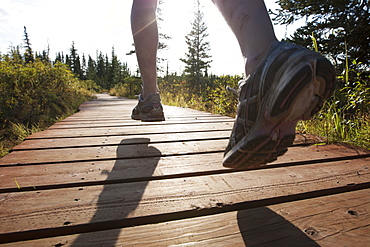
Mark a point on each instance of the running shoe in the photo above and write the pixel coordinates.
(290, 84)
(148, 109)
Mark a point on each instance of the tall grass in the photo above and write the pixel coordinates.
(345, 117)
(211, 97)
(130, 88)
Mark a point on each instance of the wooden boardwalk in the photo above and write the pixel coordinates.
(99, 178)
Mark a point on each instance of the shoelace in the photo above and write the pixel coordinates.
(232, 90)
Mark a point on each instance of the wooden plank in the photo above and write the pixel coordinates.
(131, 169)
(114, 152)
(120, 123)
(119, 140)
(85, 205)
(96, 123)
(147, 150)
(301, 139)
(32, 144)
(324, 221)
(123, 107)
(129, 130)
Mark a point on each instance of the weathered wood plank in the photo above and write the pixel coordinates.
(122, 108)
(324, 221)
(96, 123)
(182, 165)
(129, 130)
(114, 152)
(74, 206)
(119, 140)
(301, 139)
(145, 149)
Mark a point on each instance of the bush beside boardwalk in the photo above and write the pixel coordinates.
(34, 96)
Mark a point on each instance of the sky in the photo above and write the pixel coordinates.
(98, 26)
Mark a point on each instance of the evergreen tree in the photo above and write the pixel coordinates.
(74, 62)
(114, 70)
(197, 59)
(84, 67)
(44, 56)
(68, 61)
(91, 73)
(59, 58)
(28, 55)
(16, 54)
(125, 71)
(77, 67)
(101, 71)
(339, 26)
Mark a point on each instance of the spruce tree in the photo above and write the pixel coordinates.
(91, 73)
(28, 55)
(68, 61)
(197, 59)
(101, 71)
(83, 67)
(59, 57)
(114, 70)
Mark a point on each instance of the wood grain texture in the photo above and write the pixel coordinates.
(27, 210)
(99, 178)
(324, 221)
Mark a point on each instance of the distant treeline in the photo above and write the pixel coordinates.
(105, 71)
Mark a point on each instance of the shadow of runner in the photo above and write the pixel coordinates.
(109, 205)
(263, 227)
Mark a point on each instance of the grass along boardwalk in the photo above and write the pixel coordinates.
(99, 178)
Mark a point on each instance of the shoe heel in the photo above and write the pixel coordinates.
(304, 94)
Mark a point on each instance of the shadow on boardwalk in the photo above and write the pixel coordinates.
(252, 223)
(263, 227)
(108, 197)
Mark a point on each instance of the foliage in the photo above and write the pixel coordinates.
(345, 117)
(215, 98)
(34, 95)
(333, 124)
(338, 25)
(130, 89)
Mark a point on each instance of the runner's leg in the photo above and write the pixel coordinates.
(145, 33)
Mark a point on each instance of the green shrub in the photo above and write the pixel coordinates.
(130, 88)
(211, 97)
(35, 95)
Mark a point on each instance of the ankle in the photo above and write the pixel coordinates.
(145, 95)
(252, 61)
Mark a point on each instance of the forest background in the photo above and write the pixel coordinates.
(36, 92)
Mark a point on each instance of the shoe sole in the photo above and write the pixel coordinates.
(152, 117)
(309, 84)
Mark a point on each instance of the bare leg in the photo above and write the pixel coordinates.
(251, 24)
(145, 33)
